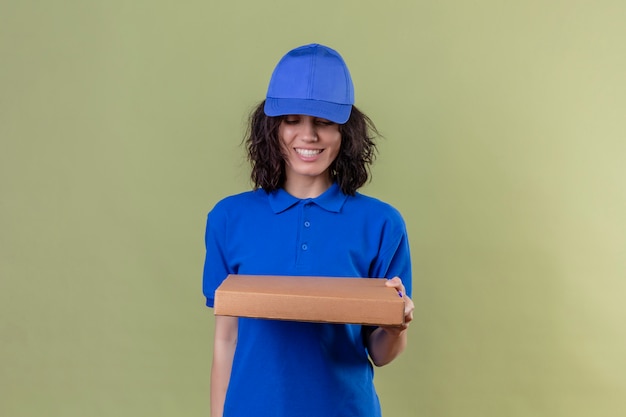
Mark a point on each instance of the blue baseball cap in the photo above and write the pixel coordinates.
(312, 80)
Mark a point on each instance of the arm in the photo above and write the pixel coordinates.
(224, 344)
(386, 343)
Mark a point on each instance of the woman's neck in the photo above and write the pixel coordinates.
(303, 188)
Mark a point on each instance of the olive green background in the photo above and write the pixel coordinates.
(505, 148)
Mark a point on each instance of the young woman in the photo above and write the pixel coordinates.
(310, 149)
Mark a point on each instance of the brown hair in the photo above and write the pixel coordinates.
(351, 168)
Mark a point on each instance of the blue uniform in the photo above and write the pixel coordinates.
(292, 369)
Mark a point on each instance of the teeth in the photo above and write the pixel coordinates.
(308, 152)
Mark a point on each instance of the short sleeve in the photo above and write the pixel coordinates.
(394, 258)
(216, 267)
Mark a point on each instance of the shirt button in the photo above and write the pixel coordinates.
(305, 246)
(307, 224)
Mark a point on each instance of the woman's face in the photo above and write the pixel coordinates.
(310, 145)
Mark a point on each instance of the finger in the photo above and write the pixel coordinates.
(395, 282)
(408, 317)
(409, 308)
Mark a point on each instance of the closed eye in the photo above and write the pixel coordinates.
(291, 120)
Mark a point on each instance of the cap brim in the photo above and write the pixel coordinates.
(338, 113)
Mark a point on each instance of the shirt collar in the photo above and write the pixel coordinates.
(331, 200)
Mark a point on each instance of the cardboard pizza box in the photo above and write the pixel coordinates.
(366, 301)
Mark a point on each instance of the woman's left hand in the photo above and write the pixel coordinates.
(409, 307)
(386, 342)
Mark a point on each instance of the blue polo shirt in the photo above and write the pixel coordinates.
(294, 369)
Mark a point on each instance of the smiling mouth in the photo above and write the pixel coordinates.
(308, 152)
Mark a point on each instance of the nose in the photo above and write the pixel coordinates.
(309, 131)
